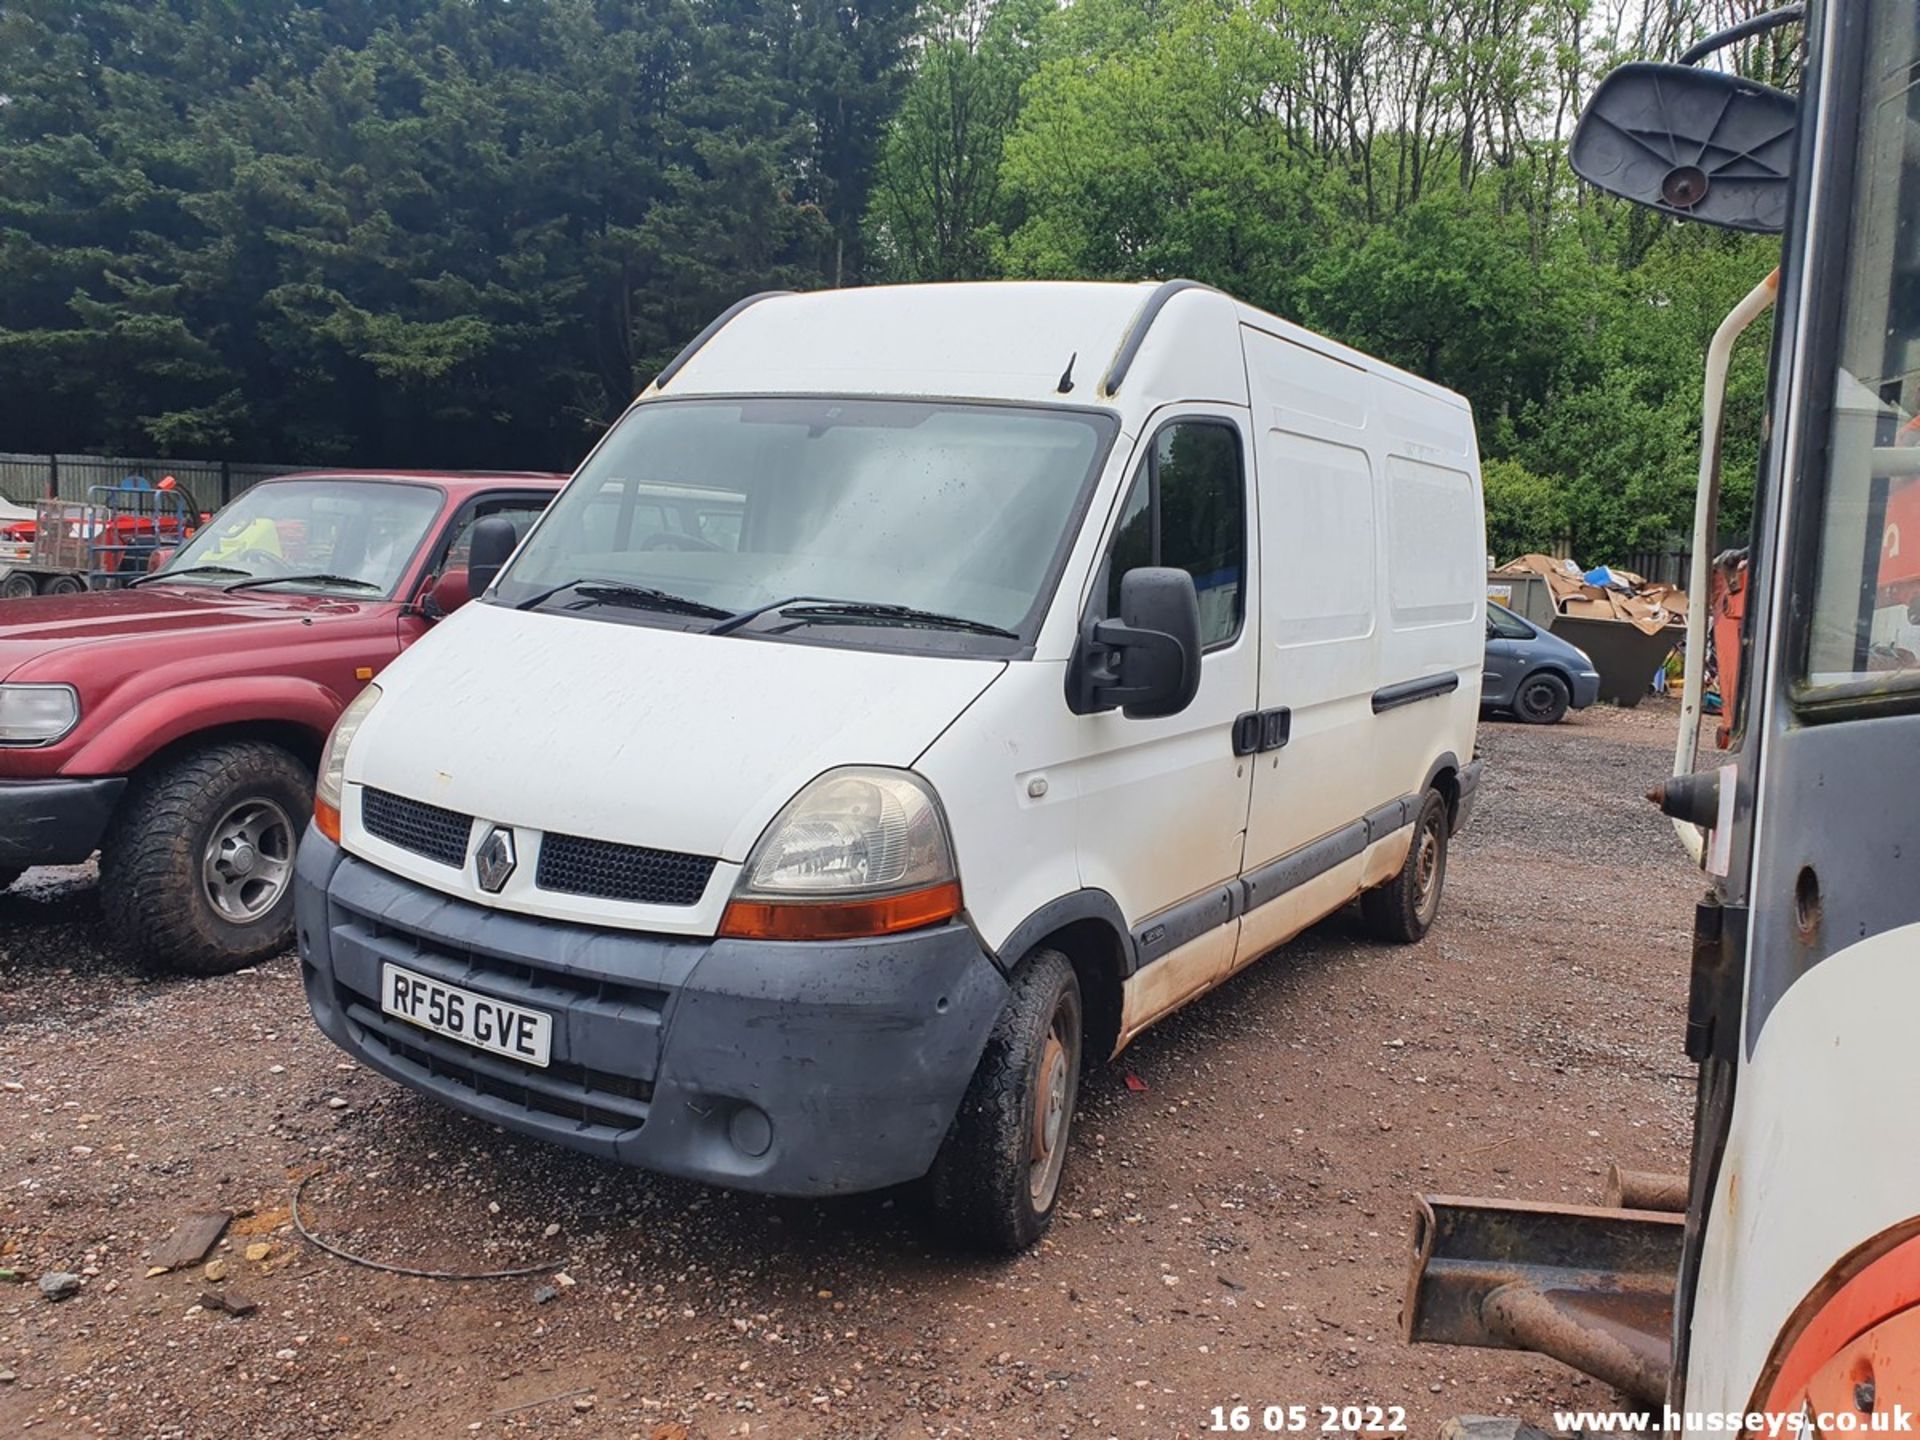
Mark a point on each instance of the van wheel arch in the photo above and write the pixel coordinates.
(1444, 776)
(1087, 927)
(1097, 956)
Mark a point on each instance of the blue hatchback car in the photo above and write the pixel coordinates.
(1535, 675)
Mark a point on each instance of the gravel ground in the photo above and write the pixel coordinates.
(1236, 1231)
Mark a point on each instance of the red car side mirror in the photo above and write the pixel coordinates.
(448, 593)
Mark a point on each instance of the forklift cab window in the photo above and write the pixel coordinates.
(1863, 639)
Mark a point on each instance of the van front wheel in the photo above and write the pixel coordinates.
(1403, 909)
(997, 1177)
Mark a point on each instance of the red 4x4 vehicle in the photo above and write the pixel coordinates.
(174, 725)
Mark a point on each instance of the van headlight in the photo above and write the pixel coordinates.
(332, 779)
(860, 851)
(37, 714)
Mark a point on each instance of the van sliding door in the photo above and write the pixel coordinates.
(1319, 529)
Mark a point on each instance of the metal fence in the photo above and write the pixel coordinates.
(212, 483)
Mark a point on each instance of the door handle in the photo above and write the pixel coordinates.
(1258, 731)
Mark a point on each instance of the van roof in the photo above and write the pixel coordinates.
(995, 340)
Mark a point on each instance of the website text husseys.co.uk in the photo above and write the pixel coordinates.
(1777, 1425)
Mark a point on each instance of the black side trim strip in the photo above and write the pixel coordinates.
(714, 327)
(1137, 333)
(1294, 869)
(1390, 817)
(1408, 692)
(1189, 920)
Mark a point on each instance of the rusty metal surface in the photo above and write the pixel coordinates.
(1589, 1286)
(1621, 1337)
(1645, 1190)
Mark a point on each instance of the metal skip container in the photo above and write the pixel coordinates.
(1629, 633)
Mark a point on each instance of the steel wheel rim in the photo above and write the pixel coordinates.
(1429, 864)
(247, 861)
(1537, 699)
(1056, 1085)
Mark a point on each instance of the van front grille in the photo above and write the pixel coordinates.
(417, 826)
(574, 865)
(617, 1104)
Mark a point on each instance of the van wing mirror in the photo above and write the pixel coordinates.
(1694, 144)
(493, 541)
(1148, 661)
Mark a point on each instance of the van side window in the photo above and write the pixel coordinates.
(1188, 508)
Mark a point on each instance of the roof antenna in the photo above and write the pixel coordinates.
(1065, 386)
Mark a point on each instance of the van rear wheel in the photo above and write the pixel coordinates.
(997, 1177)
(1403, 909)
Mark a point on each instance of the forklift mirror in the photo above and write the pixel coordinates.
(1693, 144)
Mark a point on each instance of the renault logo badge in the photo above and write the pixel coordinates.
(493, 862)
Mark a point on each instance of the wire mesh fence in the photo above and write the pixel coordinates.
(211, 483)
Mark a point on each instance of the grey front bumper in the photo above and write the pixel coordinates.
(795, 1069)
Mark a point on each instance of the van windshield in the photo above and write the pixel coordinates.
(694, 511)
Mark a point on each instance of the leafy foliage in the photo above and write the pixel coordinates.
(464, 232)
(414, 232)
(1390, 172)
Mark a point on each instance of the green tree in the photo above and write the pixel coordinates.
(1526, 513)
(415, 232)
(939, 206)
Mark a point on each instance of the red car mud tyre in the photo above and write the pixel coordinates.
(196, 873)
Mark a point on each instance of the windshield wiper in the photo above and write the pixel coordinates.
(811, 609)
(619, 592)
(189, 570)
(741, 617)
(319, 579)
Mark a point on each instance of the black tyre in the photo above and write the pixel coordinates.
(64, 585)
(1403, 909)
(997, 1177)
(196, 873)
(18, 586)
(1541, 699)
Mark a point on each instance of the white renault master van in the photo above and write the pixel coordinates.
(916, 695)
